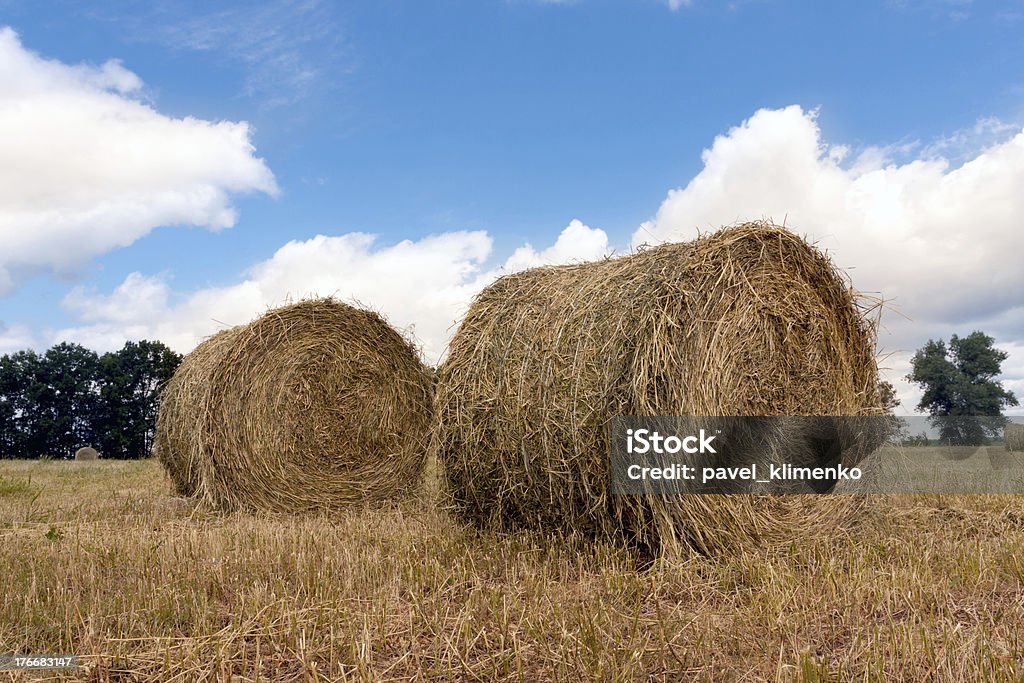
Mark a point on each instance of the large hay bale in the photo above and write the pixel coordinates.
(87, 453)
(184, 412)
(749, 321)
(1013, 437)
(316, 405)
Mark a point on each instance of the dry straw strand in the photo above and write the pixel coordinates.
(315, 405)
(750, 320)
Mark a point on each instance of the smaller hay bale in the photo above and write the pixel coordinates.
(87, 453)
(314, 406)
(1013, 437)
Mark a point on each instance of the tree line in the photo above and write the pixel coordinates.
(55, 402)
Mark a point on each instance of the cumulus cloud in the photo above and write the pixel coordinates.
(87, 166)
(933, 228)
(1013, 370)
(15, 337)
(577, 242)
(422, 287)
(940, 241)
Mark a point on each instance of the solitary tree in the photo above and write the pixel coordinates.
(960, 390)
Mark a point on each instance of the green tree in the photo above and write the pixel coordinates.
(887, 397)
(11, 436)
(130, 383)
(960, 390)
(47, 401)
(54, 403)
(67, 397)
(22, 387)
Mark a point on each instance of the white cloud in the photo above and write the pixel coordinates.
(577, 242)
(137, 294)
(941, 241)
(423, 287)
(86, 167)
(963, 144)
(15, 338)
(1013, 370)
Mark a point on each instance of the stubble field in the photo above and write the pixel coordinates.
(99, 560)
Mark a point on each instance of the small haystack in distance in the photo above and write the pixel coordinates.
(750, 320)
(316, 405)
(1013, 437)
(87, 453)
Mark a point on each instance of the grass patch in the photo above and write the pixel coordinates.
(15, 487)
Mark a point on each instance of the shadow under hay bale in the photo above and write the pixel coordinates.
(316, 405)
(750, 321)
(959, 453)
(87, 453)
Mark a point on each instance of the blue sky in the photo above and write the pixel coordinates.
(510, 118)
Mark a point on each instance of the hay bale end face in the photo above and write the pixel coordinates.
(1013, 437)
(87, 453)
(184, 405)
(750, 320)
(316, 405)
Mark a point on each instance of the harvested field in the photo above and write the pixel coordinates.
(100, 560)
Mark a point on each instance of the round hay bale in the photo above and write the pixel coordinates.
(87, 453)
(184, 406)
(1013, 437)
(748, 321)
(316, 405)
